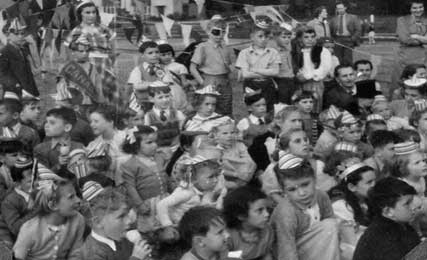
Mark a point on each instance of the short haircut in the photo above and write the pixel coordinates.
(408, 135)
(197, 222)
(145, 45)
(304, 29)
(164, 48)
(152, 91)
(10, 146)
(64, 113)
(29, 102)
(107, 201)
(319, 10)
(108, 112)
(410, 70)
(134, 147)
(380, 138)
(300, 95)
(363, 62)
(11, 105)
(340, 67)
(237, 204)
(386, 193)
(302, 171)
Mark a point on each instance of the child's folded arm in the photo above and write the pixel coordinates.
(129, 179)
(177, 197)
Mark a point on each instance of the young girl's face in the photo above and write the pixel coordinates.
(352, 133)
(306, 105)
(417, 165)
(148, 145)
(151, 55)
(99, 124)
(383, 110)
(68, 204)
(284, 39)
(292, 122)
(362, 187)
(258, 214)
(206, 178)
(207, 107)
(166, 57)
(89, 15)
(226, 134)
(299, 145)
(301, 190)
(9, 159)
(259, 108)
(422, 123)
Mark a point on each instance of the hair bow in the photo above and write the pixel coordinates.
(130, 134)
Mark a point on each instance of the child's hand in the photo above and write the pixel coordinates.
(141, 250)
(169, 234)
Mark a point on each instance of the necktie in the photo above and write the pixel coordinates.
(341, 25)
(163, 116)
(260, 121)
(151, 70)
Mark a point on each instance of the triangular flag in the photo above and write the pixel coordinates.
(186, 32)
(204, 24)
(161, 31)
(200, 4)
(106, 18)
(226, 34)
(57, 36)
(168, 23)
(40, 3)
(129, 33)
(139, 28)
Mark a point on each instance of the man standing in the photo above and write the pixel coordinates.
(343, 94)
(346, 29)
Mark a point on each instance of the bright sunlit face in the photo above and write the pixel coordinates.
(383, 109)
(324, 14)
(417, 9)
(259, 39)
(417, 165)
(292, 122)
(364, 71)
(352, 133)
(68, 204)
(216, 239)
(306, 105)
(115, 224)
(346, 77)
(161, 100)
(31, 112)
(207, 107)
(89, 15)
(284, 39)
(56, 127)
(100, 124)
(206, 178)
(225, 134)
(259, 108)
(299, 145)
(422, 123)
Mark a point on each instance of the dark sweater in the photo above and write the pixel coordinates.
(92, 249)
(385, 239)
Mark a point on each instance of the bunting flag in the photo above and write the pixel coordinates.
(186, 32)
(106, 18)
(168, 23)
(129, 33)
(161, 31)
(200, 4)
(139, 27)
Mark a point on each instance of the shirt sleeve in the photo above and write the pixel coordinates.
(135, 77)
(242, 62)
(24, 242)
(285, 224)
(129, 179)
(198, 56)
(403, 33)
(177, 197)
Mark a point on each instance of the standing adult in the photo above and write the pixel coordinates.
(320, 23)
(346, 29)
(411, 31)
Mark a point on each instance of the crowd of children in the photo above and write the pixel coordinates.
(323, 166)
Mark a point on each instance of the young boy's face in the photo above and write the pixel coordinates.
(284, 39)
(364, 71)
(293, 121)
(403, 211)
(166, 57)
(17, 38)
(412, 94)
(7, 117)
(387, 153)
(258, 214)
(226, 134)
(25, 183)
(352, 133)
(216, 34)
(151, 55)
(207, 107)
(306, 105)
(99, 124)
(216, 238)
(417, 165)
(259, 108)
(138, 119)
(383, 109)
(9, 159)
(308, 39)
(148, 145)
(299, 145)
(364, 185)
(56, 127)
(421, 73)
(115, 224)
(162, 100)
(206, 178)
(300, 190)
(259, 39)
(31, 112)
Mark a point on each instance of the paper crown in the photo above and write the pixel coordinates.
(44, 174)
(17, 24)
(347, 118)
(288, 161)
(333, 113)
(345, 146)
(263, 22)
(158, 84)
(380, 98)
(216, 17)
(350, 169)
(414, 82)
(77, 151)
(194, 160)
(286, 26)
(208, 90)
(373, 117)
(91, 189)
(420, 105)
(10, 95)
(83, 2)
(23, 162)
(406, 148)
(28, 96)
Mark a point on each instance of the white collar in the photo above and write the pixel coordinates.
(145, 65)
(157, 111)
(201, 118)
(255, 120)
(104, 240)
(25, 195)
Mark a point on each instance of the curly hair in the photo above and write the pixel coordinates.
(133, 147)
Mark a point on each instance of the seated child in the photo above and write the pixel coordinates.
(10, 127)
(204, 231)
(383, 142)
(246, 214)
(9, 152)
(54, 152)
(16, 208)
(349, 202)
(329, 136)
(56, 232)
(237, 165)
(410, 71)
(163, 116)
(304, 217)
(389, 236)
(205, 117)
(110, 221)
(197, 189)
(381, 107)
(414, 90)
(144, 176)
(304, 100)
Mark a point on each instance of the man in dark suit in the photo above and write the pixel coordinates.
(342, 93)
(15, 67)
(346, 29)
